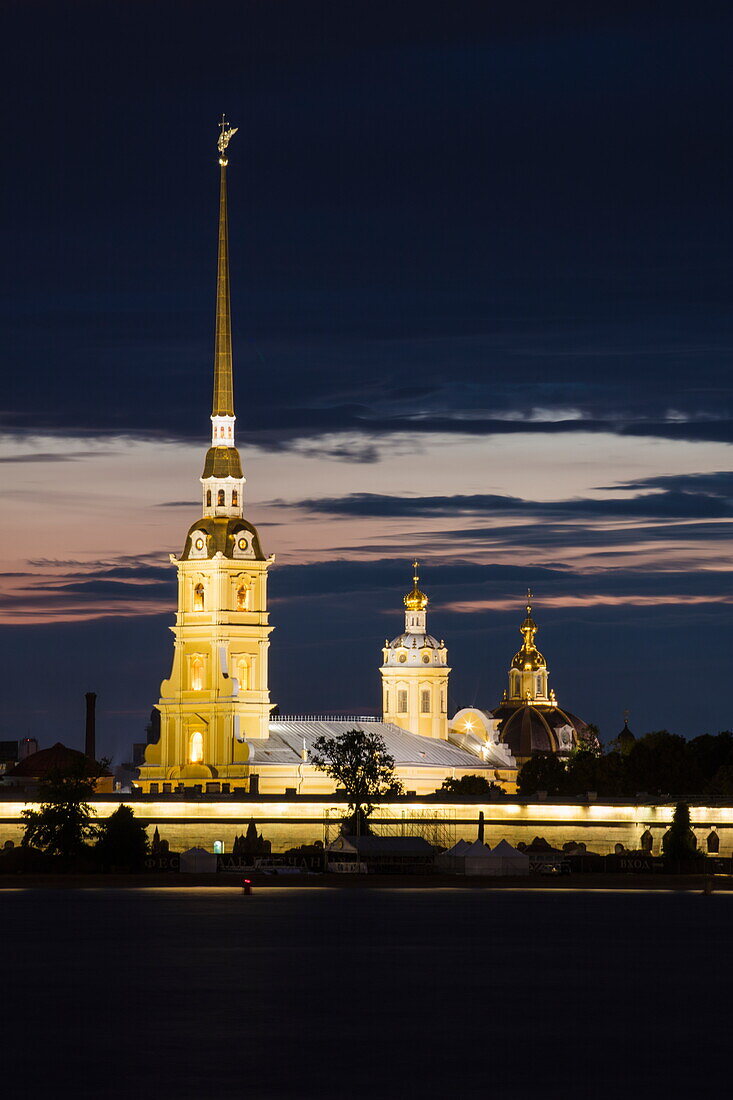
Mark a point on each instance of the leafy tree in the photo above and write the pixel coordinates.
(358, 761)
(471, 786)
(63, 823)
(710, 754)
(123, 841)
(660, 764)
(589, 740)
(582, 771)
(720, 787)
(544, 771)
(679, 841)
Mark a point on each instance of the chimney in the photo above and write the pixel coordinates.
(90, 744)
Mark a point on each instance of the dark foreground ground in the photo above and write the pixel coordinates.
(173, 880)
(379, 993)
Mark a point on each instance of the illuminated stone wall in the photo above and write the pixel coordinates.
(287, 824)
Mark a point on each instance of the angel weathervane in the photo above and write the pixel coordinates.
(226, 135)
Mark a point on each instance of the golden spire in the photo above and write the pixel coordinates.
(415, 600)
(528, 657)
(223, 403)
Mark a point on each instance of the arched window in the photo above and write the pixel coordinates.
(220, 498)
(425, 701)
(197, 674)
(402, 701)
(243, 673)
(198, 598)
(713, 842)
(539, 684)
(208, 498)
(242, 597)
(196, 748)
(235, 498)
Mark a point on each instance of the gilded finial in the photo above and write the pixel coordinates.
(416, 600)
(226, 134)
(529, 601)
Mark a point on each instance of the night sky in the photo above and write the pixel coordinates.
(481, 291)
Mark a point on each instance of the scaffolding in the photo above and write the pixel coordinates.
(438, 827)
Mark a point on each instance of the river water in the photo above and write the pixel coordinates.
(364, 993)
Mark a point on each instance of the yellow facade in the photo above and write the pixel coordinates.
(217, 694)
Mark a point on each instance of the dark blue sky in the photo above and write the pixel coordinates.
(461, 235)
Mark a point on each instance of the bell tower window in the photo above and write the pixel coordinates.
(198, 598)
(242, 597)
(243, 673)
(235, 498)
(208, 498)
(197, 674)
(196, 748)
(220, 498)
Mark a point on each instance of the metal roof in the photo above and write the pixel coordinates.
(285, 745)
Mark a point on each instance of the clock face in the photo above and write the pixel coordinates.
(242, 543)
(199, 544)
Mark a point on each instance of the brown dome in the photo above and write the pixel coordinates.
(528, 729)
(58, 758)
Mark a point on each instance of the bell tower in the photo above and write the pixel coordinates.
(415, 672)
(217, 694)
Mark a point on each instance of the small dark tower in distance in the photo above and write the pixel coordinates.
(90, 742)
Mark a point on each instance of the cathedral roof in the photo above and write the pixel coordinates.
(221, 533)
(530, 728)
(285, 744)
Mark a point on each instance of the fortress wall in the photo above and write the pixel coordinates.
(287, 824)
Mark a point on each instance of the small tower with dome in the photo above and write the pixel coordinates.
(415, 672)
(530, 719)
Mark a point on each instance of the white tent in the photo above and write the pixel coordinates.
(505, 860)
(452, 860)
(476, 859)
(197, 861)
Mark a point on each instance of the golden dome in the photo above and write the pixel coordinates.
(415, 600)
(529, 658)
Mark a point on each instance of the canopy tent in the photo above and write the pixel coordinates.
(505, 860)
(197, 861)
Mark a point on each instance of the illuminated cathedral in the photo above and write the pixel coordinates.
(218, 734)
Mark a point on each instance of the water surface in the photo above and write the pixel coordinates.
(365, 993)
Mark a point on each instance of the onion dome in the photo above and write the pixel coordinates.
(415, 600)
(529, 658)
(529, 729)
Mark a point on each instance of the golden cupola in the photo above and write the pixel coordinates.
(528, 671)
(415, 600)
(529, 658)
